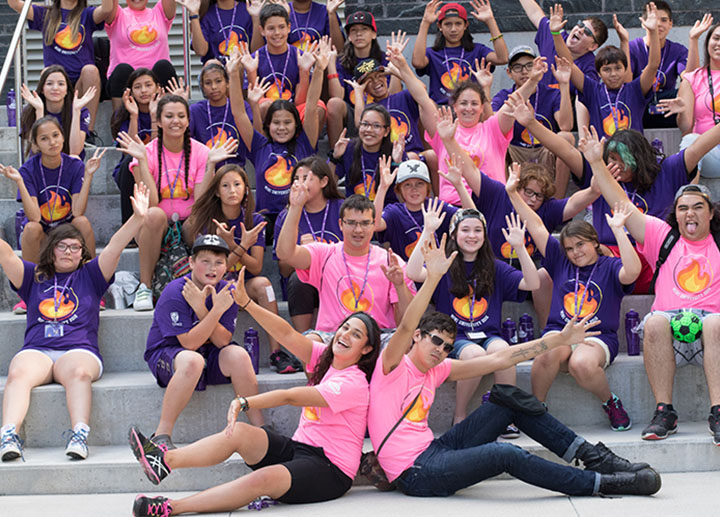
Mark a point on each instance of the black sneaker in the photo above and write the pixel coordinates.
(645, 482)
(663, 423)
(714, 424)
(163, 440)
(284, 362)
(599, 458)
(151, 506)
(150, 456)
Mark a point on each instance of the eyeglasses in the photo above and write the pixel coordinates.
(438, 341)
(532, 194)
(362, 224)
(587, 31)
(372, 125)
(517, 68)
(62, 247)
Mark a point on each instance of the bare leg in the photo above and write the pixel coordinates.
(32, 241)
(545, 368)
(659, 358)
(27, 370)
(90, 76)
(235, 363)
(506, 376)
(188, 367)
(257, 288)
(466, 389)
(82, 223)
(711, 357)
(76, 371)
(149, 241)
(337, 113)
(586, 366)
(542, 298)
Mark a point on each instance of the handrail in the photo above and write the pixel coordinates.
(15, 49)
(186, 51)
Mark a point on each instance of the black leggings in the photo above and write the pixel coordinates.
(117, 82)
(125, 182)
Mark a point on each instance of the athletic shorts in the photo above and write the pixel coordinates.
(162, 365)
(596, 340)
(314, 477)
(302, 298)
(685, 353)
(54, 355)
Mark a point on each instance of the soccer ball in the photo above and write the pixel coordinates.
(686, 326)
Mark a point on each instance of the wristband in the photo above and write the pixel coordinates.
(193, 17)
(333, 76)
(332, 158)
(496, 37)
(558, 33)
(244, 406)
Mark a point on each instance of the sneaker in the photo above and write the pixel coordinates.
(102, 304)
(644, 482)
(163, 440)
(150, 456)
(143, 299)
(663, 423)
(11, 446)
(77, 447)
(714, 424)
(511, 432)
(151, 506)
(284, 362)
(20, 308)
(599, 458)
(619, 419)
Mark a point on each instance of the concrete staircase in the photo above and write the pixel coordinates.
(127, 394)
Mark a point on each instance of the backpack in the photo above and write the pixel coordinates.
(668, 244)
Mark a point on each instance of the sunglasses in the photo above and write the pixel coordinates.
(587, 31)
(438, 341)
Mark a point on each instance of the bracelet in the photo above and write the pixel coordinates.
(332, 158)
(244, 406)
(246, 303)
(496, 37)
(558, 33)
(193, 17)
(242, 248)
(333, 76)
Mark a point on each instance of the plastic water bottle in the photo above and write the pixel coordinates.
(509, 331)
(657, 144)
(526, 330)
(11, 109)
(252, 345)
(632, 320)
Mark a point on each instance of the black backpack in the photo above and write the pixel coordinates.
(668, 244)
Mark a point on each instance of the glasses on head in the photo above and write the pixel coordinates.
(372, 125)
(62, 247)
(438, 341)
(587, 31)
(532, 194)
(517, 67)
(362, 224)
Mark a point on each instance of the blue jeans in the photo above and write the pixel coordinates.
(468, 454)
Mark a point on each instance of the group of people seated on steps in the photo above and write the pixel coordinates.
(465, 190)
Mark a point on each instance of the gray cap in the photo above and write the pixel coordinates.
(210, 242)
(699, 189)
(412, 169)
(521, 50)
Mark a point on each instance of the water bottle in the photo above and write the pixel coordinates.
(657, 144)
(11, 108)
(526, 331)
(632, 320)
(252, 345)
(509, 331)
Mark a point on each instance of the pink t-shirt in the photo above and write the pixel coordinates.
(389, 398)
(690, 277)
(341, 287)
(176, 200)
(485, 143)
(703, 113)
(138, 38)
(339, 428)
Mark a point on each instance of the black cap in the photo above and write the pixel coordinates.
(360, 18)
(210, 242)
(367, 67)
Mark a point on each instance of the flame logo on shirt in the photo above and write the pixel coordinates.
(410, 247)
(348, 296)
(227, 46)
(67, 305)
(180, 191)
(508, 251)
(419, 410)
(311, 413)
(693, 274)
(274, 91)
(660, 80)
(716, 100)
(64, 38)
(278, 174)
(623, 119)
(56, 208)
(303, 42)
(452, 77)
(590, 299)
(144, 35)
(461, 306)
(368, 185)
(398, 129)
(220, 137)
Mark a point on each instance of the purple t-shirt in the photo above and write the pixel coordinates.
(281, 70)
(449, 67)
(479, 313)
(324, 225)
(210, 124)
(622, 108)
(232, 272)
(546, 47)
(84, 123)
(77, 296)
(344, 73)
(53, 188)
(273, 164)
(495, 205)
(174, 316)
(673, 59)
(404, 227)
(223, 29)
(71, 53)
(601, 298)
(404, 116)
(310, 26)
(546, 102)
(369, 162)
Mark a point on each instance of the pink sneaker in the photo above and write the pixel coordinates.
(20, 308)
(102, 304)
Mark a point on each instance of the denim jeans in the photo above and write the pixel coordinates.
(468, 454)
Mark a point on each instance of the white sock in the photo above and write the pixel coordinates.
(8, 428)
(81, 427)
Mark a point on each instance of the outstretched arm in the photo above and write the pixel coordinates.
(557, 22)
(535, 226)
(430, 16)
(697, 30)
(432, 219)
(631, 266)
(287, 248)
(237, 101)
(533, 11)
(515, 236)
(647, 77)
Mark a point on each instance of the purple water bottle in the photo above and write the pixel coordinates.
(659, 148)
(509, 331)
(252, 345)
(526, 330)
(632, 320)
(11, 108)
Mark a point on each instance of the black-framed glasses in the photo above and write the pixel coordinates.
(372, 125)
(438, 341)
(517, 67)
(587, 31)
(532, 194)
(62, 247)
(362, 224)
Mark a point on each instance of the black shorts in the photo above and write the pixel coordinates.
(314, 477)
(302, 298)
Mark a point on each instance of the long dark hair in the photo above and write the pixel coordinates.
(366, 364)
(121, 114)
(707, 42)
(45, 268)
(47, 119)
(208, 206)
(53, 19)
(283, 105)
(645, 157)
(187, 147)
(320, 170)
(348, 59)
(28, 114)
(355, 174)
(483, 270)
(466, 41)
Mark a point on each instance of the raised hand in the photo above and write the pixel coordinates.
(254, 7)
(140, 199)
(430, 15)
(621, 31)
(481, 10)
(93, 164)
(701, 26)
(176, 86)
(222, 151)
(192, 6)
(397, 42)
(436, 263)
(513, 181)
(539, 69)
(621, 212)
(298, 194)
(284, 3)
(249, 62)
(250, 237)
(671, 107)
(454, 172)
(433, 216)
(386, 176)
(393, 271)
(258, 89)
(132, 146)
(129, 103)
(562, 71)
(79, 103)
(32, 98)
(650, 22)
(515, 233)
(557, 15)
(152, 107)
(590, 145)
(398, 149)
(194, 296)
(223, 300)
(322, 56)
(333, 5)
(520, 110)
(11, 173)
(482, 73)
(239, 293)
(578, 331)
(446, 126)
(341, 144)
(306, 59)
(358, 87)
(225, 233)
(615, 171)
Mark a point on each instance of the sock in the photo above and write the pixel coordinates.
(81, 427)
(8, 428)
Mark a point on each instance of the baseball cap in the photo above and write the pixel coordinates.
(210, 242)
(367, 67)
(698, 189)
(521, 50)
(360, 18)
(452, 9)
(410, 169)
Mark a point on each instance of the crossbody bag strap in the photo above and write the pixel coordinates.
(409, 408)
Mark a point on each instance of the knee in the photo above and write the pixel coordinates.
(90, 73)
(567, 136)
(79, 374)
(430, 159)
(656, 331)
(235, 356)
(711, 332)
(546, 360)
(257, 287)
(496, 345)
(581, 367)
(82, 223)
(155, 219)
(336, 107)
(471, 352)
(189, 364)
(33, 230)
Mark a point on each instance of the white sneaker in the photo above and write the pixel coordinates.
(77, 447)
(143, 299)
(11, 446)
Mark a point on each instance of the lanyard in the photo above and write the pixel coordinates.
(280, 84)
(716, 116)
(210, 120)
(57, 187)
(656, 86)
(415, 223)
(614, 107)
(297, 25)
(472, 305)
(56, 298)
(578, 310)
(226, 37)
(171, 186)
(367, 272)
(322, 229)
(537, 96)
(447, 65)
(634, 193)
